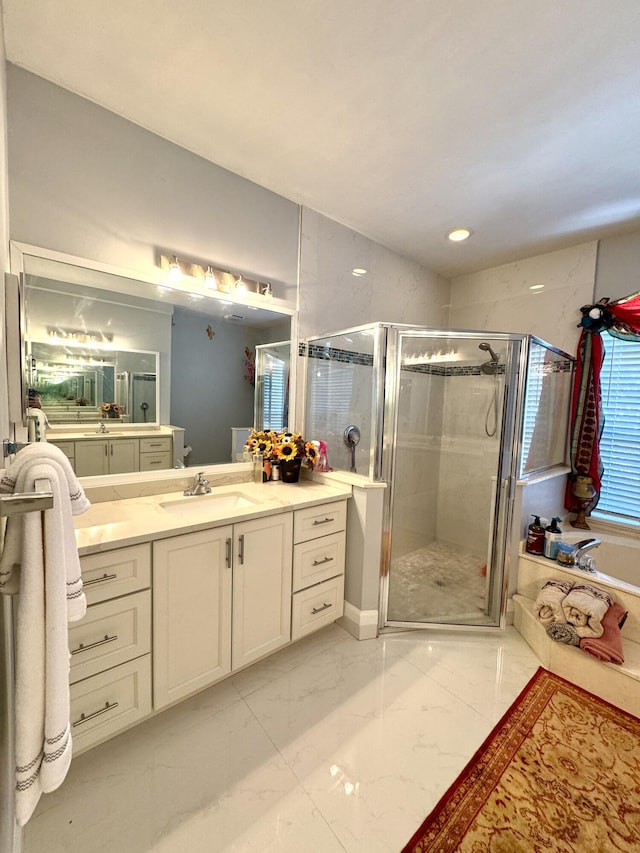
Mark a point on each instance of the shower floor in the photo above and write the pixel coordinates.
(439, 582)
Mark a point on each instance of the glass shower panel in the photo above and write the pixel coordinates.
(545, 426)
(271, 397)
(448, 427)
(340, 394)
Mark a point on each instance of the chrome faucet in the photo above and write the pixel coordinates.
(102, 428)
(584, 560)
(200, 485)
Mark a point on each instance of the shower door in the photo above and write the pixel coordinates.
(447, 455)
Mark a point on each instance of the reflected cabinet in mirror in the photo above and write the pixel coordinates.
(128, 374)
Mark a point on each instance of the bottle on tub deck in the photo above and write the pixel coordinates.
(535, 537)
(552, 536)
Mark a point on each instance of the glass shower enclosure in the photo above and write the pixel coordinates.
(437, 415)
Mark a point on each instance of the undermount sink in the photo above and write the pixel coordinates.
(108, 432)
(197, 505)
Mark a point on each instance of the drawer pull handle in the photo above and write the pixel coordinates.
(85, 718)
(325, 606)
(228, 555)
(323, 521)
(241, 549)
(324, 560)
(83, 648)
(102, 579)
(156, 444)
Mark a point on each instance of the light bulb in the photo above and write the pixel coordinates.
(459, 234)
(210, 279)
(241, 287)
(175, 273)
(267, 292)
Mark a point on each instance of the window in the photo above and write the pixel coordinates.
(274, 391)
(620, 443)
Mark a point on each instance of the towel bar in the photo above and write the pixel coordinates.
(28, 502)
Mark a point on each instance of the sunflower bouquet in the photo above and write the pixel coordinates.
(282, 447)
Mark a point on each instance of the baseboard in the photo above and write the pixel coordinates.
(361, 624)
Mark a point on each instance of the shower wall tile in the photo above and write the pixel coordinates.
(500, 299)
(395, 289)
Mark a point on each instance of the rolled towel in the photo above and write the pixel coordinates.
(548, 605)
(584, 608)
(608, 647)
(562, 632)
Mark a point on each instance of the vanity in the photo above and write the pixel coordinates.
(115, 451)
(184, 591)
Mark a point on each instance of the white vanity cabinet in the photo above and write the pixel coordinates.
(191, 613)
(203, 584)
(106, 456)
(111, 646)
(261, 587)
(94, 456)
(318, 567)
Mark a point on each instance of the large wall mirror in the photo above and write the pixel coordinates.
(111, 355)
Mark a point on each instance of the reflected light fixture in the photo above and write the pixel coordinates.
(210, 279)
(175, 273)
(241, 287)
(457, 235)
(267, 291)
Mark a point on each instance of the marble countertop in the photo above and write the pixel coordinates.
(113, 524)
(89, 431)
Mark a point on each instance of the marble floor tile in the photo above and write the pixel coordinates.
(331, 745)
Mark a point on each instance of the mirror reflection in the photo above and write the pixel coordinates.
(113, 360)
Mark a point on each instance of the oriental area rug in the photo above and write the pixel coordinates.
(560, 773)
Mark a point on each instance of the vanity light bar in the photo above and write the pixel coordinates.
(79, 336)
(211, 278)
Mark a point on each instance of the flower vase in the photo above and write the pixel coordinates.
(290, 470)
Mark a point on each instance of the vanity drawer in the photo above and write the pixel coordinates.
(319, 521)
(317, 606)
(112, 573)
(317, 560)
(105, 704)
(156, 445)
(154, 461)
(111, 633)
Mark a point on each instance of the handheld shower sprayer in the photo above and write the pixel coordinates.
(487, 348)
(489, 367)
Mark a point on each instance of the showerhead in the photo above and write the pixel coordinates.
(489, 367)
(487, 348)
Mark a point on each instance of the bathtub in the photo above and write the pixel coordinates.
(617, 558)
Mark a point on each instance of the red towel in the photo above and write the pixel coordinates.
(608, 647)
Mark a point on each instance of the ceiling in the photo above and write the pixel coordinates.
(401, 119)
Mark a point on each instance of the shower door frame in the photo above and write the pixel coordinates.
(506, 473)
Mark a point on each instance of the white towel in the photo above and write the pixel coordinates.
(37, 424)
(548, 604)
(41, 557)
(584, 608)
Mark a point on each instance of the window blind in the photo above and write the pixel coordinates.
(620, 443)
(274, 392)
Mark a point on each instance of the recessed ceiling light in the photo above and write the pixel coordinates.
(459, 234)
(358, 271)
(536, 287)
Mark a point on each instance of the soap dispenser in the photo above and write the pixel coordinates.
(552, 535)
(535, 537)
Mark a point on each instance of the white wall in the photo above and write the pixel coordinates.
(88, 183)
(395, 289)
(500, 299)
(618, 269)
